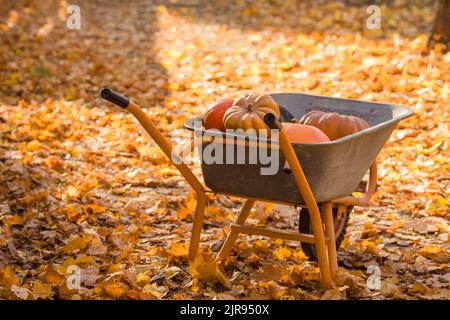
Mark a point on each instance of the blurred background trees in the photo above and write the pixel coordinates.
(441, 27)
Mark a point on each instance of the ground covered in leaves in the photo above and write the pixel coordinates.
(82, 185)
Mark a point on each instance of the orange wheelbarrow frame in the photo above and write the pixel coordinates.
(323, 231)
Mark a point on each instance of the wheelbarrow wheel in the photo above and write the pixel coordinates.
(340, 226)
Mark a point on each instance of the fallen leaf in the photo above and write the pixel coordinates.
(179, 249)
(113, 289)
(204, 267)
(53, 277)
(42, 291)
(282, 253)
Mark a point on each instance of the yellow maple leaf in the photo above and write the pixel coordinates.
(272, 288)
(42, 291)
(304, 274)
(115, 268)
(72, 212)
(113, 289)
(153, 291)
(260, 245)
(183, 213)
(418, 288)
(179, 249)
(78, 243)
(369, 246)
(205, 268)
(282, 253)
(268, 207)
(72, 192)
(142, 278)
(95, 208)
(12, 220)
(433, 252)
(81, 261)
(34, 145)
(53, 277)
(8, 277)
(275, 290)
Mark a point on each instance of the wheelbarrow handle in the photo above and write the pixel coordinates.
(115, 98)
(167, 148)
(271, 121)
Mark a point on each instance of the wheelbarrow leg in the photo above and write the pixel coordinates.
(197, 225)
(329, 230)
(320, 243)
(311, 204)
(231, 239)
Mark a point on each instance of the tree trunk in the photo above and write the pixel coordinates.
(441, 28)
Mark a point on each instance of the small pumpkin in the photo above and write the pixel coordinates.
(333, 124)
(248, 112)
(297, 132)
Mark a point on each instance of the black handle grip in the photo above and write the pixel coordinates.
(285, 114)
(272, 121)
(115, 98)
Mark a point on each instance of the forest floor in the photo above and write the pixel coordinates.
(81, 184)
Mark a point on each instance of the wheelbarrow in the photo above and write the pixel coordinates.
(320, 178)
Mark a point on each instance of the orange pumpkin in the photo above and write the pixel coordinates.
(333, 124)
(248, 112)
(213, 118)
(297, 132)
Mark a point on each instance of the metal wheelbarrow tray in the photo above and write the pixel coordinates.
(322, 178)
(333, 169)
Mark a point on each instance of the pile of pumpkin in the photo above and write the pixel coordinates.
(248, 112)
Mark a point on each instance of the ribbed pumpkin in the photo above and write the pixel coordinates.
(248, 112)
(297, 132)
(333, 124)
